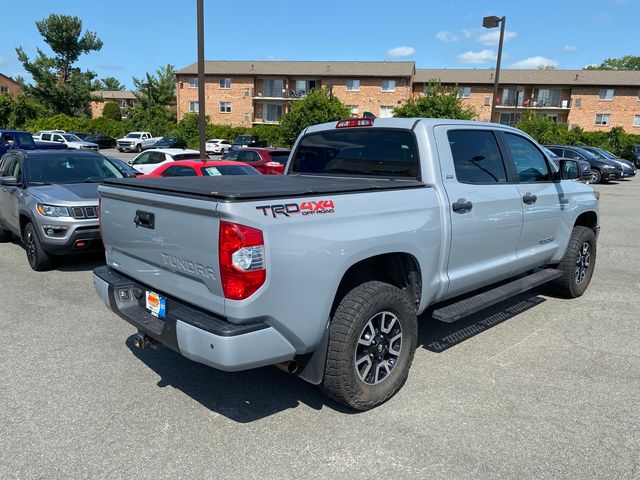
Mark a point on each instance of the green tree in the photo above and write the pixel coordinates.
(158, 88)
(627, 62)
(6, 109)
(159, 120)
(108, 83)
(318, 106)
(58, 85)
(112, 110)
(437, 102)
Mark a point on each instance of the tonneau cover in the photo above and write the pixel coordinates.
(255, 187)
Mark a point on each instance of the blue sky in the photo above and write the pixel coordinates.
(139, 36)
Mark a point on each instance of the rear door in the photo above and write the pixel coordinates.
(252, 158)
(485, 207)
(543, 201)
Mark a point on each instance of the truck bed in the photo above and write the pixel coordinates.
(257, 187)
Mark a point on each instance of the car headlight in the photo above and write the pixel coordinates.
(52, 210)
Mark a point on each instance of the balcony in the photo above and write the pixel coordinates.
(534, 99)
(277, 94)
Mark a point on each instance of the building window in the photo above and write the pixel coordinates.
(225, 107)
(193, 82)
(386, 112)
(4, 89)
(388, 85)
(578, 102)
(606, 94)
(225, 83)
(193, 106)
(487, 101)
(509, 118)
(464, 92)
(636, 120)
(273, 88)
(353, 85)
(603, 119)
(354, 110)
(272, 112)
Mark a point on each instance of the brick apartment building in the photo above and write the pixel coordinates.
(591, 99)
(125, 99)
(250, 93)
(260, 92)
(9, 85)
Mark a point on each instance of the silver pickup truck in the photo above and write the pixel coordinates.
(324, 270)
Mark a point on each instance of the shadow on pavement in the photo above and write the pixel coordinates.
(80, 262)
(437, 336)
(240, 396)
(254, 394)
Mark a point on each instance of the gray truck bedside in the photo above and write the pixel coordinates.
(327, 267)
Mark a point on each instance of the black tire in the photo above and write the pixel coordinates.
(5, 235)
(139, 148)
(365, 305)
(577, 265)
(596, 176)
(39, 260)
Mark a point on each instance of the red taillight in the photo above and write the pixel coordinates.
(355, 122)
(242, 266)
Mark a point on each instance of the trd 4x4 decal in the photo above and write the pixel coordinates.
(305, 208)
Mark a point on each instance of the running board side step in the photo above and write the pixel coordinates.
(466, 307)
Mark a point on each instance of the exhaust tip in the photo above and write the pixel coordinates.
(289, 367)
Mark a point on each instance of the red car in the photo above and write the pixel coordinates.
(268, 161)
(193, 168)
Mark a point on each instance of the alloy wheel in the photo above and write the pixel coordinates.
(582, 264)
(378, 348)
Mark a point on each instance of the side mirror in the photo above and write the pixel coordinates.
(10, 182)
(569, 169)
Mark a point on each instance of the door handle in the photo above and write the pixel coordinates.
(462, 206)
(529, 198)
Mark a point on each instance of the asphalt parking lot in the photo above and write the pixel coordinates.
(537, 387)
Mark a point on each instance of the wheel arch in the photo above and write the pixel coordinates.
(587, 219)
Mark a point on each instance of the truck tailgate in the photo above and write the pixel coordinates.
(167, 242)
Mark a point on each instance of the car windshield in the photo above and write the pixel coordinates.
(358, 152)
(280, 157)
(187, 156)
(229, 170)
(24, 139)
(165, 141)
(71, 138)
(607, 154)
(123, 166)
(71, 169)
(587, 153)
(243, 139)
(133, 135)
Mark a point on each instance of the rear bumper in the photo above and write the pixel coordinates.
(196, 334)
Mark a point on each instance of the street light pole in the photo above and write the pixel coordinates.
(201, 99)
(492, 22)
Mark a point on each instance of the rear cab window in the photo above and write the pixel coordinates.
(362, 152)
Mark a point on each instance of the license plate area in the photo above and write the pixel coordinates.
(155, 304)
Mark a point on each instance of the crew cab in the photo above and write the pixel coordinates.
(135, 141)
(69, 139)
(324, 270)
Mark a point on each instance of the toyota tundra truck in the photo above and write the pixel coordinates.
(324, 271)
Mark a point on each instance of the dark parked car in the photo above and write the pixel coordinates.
(635, 150)
(602, 170)
(81, 135)
(583, 166)
(268, 161)
(103, 141)
(244, 141)
(628, 168)
(167, 142)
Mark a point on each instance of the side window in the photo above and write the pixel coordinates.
(179, 171)
(16, 170)
(58, 138)
(156, 157)
(142, 159)
(46, 137)
(476, 156)
(5, 165)
(248, 156)
(571, 154)
(530, 163)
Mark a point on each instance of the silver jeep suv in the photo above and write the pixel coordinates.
(49, 199)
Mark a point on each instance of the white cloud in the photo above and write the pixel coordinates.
(397, 52)
(570, 48)
(535, 62)
(476, 58)
(466, 33)
(492, 38)
(447, 36)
